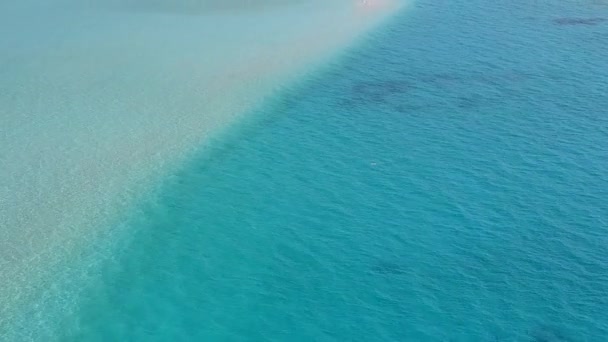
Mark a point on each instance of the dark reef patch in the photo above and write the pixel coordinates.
(379, 91)
(389, 268)
(400, 94)
(546, 333)
(579, 21)
(468, 102)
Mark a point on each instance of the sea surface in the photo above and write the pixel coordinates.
(101, 100)
(446, 179)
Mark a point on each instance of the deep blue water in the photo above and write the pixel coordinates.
(447, 180)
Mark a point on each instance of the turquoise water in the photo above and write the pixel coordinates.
(445, 181)
(101, 100)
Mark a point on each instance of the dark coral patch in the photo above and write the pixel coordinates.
(389, 268)
(391, 93)
(379, 91)
(468, 102)
(579, 21)
(546, 333)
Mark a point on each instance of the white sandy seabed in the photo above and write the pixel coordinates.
(98, 101)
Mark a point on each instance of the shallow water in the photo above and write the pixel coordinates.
(101, 100)
(445, 181)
